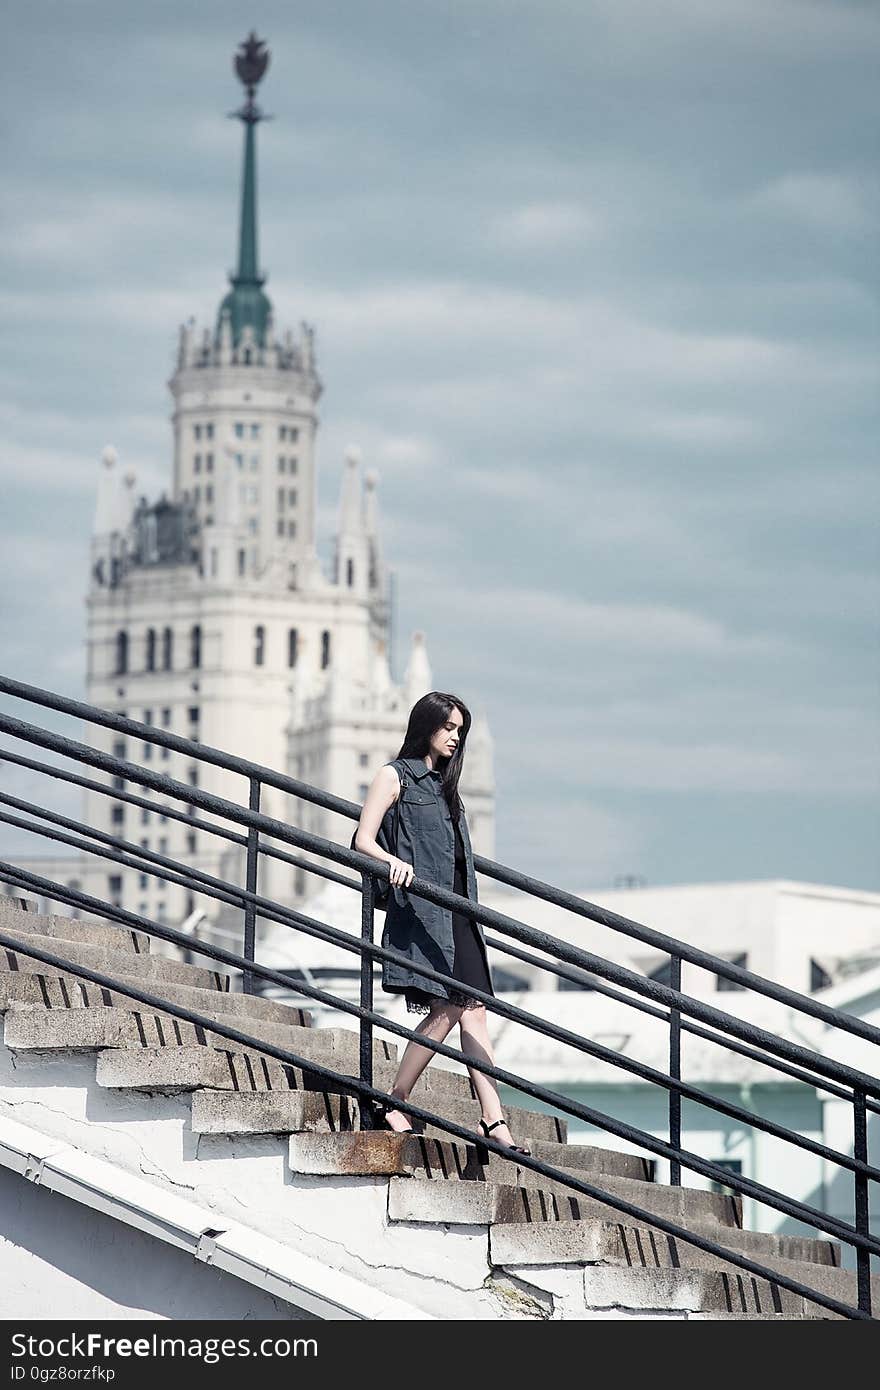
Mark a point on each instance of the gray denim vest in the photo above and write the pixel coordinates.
(417, 928)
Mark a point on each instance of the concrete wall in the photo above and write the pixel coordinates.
(59, 1259)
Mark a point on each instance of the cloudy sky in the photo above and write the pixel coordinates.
(594, 284)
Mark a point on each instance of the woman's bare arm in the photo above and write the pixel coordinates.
(382, 793)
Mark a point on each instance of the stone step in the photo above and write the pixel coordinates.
(413, 1199)
(60, 990)
(581, 1160)
(272, 1112)
(432, 1082)
(177, 1069)
(525, 1125)
(231, 1112)
(381, 1153)
(108, 961)
(88, 930)
(711, 1292)
(639, 1244)
(688, 1203)
(31, 1028)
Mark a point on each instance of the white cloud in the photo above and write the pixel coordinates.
(541, 227)
(827, 202)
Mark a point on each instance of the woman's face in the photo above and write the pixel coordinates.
(445, 741)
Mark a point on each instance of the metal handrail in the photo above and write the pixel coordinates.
(858, 1087)
(239, 896)
(233, 895)
(586, 979)
(346, 1084)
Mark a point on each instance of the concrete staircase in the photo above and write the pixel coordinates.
(421, 1220)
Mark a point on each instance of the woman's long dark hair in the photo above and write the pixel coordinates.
(428, 715)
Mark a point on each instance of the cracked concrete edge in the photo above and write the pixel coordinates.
(248, 1255)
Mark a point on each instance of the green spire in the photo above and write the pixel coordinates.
(246, 302)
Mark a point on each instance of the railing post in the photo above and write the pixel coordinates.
(675, 1072)
(368, 894)
(250, 911)
(860, 1151)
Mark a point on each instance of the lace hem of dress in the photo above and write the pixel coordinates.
(461, 1001)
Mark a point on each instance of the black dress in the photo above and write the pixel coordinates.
(468, 964)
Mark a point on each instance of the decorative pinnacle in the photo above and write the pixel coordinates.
(251, 62)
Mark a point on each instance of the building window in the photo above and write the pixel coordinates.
(292, 646)
(209, 463)
(209, 431)
(241, 559)
(197, 431)
(193, 714)
(282, 464)
(291, 464)
(364, 759)
(143, 880)
(255, 431)
(193, 776)
(117, 815)
(349, 573)
(119, 748)
(147, 752)
(279, 528)
(167, 649)
(166, 718)
(253, 492)
(163, 845)
(239, 460)
(724, 984)
(253, 525)
(325, 649)
(291, 528)
(145, 815)
(281, 496)
(291, 496)
(191, 841)
(148, 716)
(255, 463)
(730, 1165)
(662, 974)
(209, 493)
(121, 653)
(197, 493)
(239, 430)
(259, 645)
(150, 656)
(362, 790)
(195, 647)
(114, 886)
(197, 463)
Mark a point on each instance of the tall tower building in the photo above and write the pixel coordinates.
(209, 613)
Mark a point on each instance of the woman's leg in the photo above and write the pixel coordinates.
(440, 1021)
(474, 1029)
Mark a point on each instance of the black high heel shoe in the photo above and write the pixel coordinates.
(380, 1113)
(487, 1130)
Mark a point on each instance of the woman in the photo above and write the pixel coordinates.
(433, 843)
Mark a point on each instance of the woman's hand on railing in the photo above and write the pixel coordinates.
(400, 872)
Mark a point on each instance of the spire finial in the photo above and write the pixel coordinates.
(251, 62)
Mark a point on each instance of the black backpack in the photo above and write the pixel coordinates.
(382, 886)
